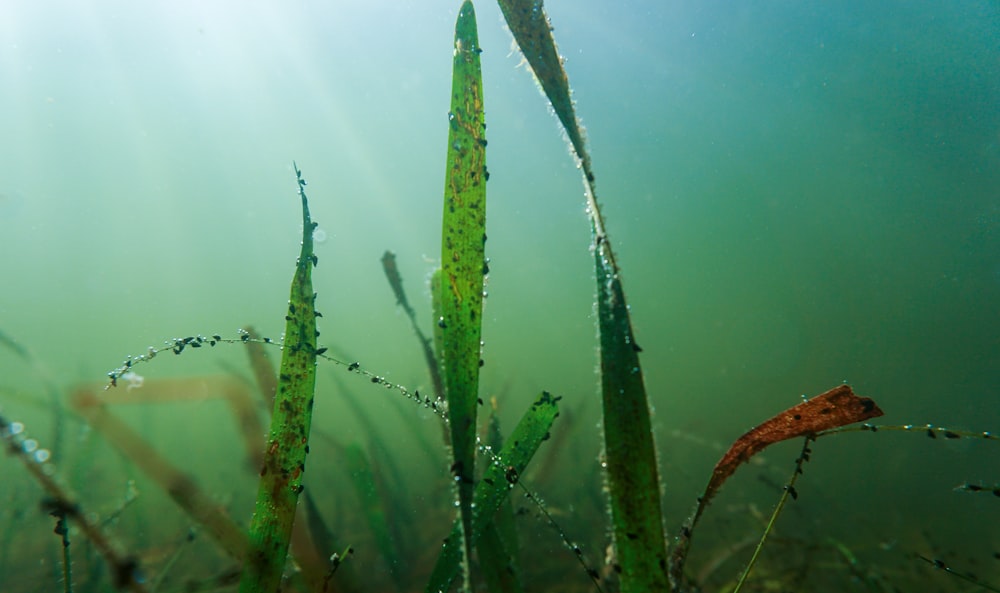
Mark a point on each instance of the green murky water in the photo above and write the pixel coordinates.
(799, 195)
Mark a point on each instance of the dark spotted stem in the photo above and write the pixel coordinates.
(288, 441)
(632, 477)
(463, 239)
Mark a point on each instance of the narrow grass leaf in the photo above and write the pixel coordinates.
(463, 238)
(499, 478)
(396, 283)
(630, 453)
(530, 25)
(497, 562)
(498, 547)
(288, 439)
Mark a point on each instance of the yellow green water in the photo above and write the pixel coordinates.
(798, 196)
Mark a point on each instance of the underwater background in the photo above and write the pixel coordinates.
(799, 194)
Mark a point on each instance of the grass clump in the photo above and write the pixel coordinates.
(334, 540)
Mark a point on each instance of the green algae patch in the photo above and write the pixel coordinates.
(501, 475)
(632, 476)
(288, 440)
(463, 238)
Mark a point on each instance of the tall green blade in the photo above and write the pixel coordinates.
(499, 478)
(633, 479)
(288, 441)
(463, 258)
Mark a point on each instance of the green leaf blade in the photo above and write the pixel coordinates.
(498, 479)
(632, 475)
(530, 25)
(291, 420)
(630, 453)
(463, 240)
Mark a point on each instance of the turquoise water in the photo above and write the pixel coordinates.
(799, 195)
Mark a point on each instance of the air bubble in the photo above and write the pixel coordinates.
(319, 235)
(42, 455)
(29, 445)
(16, 428)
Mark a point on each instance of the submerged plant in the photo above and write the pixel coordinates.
(310, 547)
(288, 443)
(463, 262)
(630, 454)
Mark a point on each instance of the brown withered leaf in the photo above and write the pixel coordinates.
(834, 408)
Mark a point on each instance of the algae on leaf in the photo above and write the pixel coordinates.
(288, 441)
(437, 330)
(463, 238)
(633, 479)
